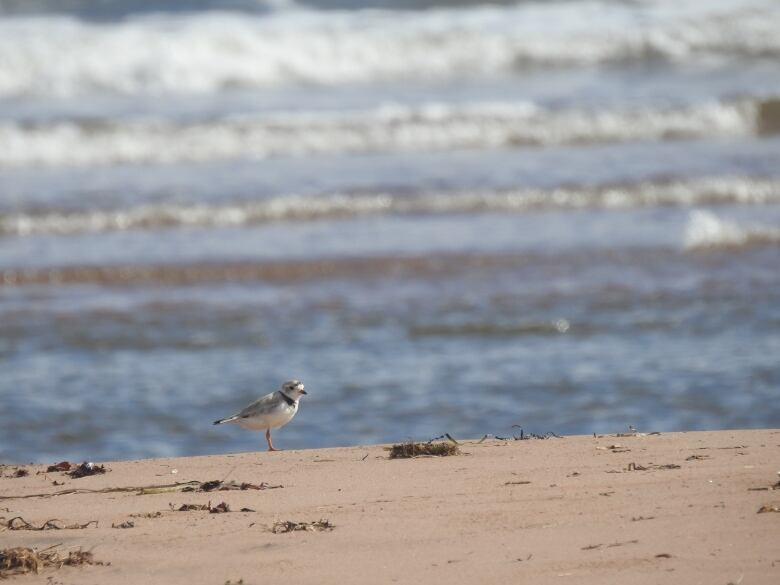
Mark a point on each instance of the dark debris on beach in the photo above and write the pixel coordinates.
(523, 436)
(223, 486)
(288, 526)
(411, 449)
(20, 560)
(220, 508)
(19, 523)
(86, 469)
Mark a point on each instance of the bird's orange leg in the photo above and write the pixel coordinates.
(270, 443)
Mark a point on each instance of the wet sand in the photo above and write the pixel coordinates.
(668, 508)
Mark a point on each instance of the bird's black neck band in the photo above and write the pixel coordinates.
(287, 399)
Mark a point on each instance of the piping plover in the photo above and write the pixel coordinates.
(271, 411)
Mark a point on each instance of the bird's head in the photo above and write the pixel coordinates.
(293, 389)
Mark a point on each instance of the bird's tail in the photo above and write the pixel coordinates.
(226, 420)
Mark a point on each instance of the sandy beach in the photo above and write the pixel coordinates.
(657, 508)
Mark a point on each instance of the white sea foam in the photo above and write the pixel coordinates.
(705, 230)
(705, 191)
(390, 128)
(205, 52)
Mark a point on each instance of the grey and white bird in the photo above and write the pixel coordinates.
(271, 411)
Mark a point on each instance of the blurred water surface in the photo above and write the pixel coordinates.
(443, 216)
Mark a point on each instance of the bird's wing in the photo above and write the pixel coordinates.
(261, 405)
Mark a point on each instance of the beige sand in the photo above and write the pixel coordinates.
(537, 511)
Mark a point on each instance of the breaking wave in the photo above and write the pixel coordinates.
(207, 52)
(695, 192)
(390, 128)
(705, 230)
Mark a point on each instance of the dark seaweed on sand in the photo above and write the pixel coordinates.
(218, 509)
(86, 469)
(288, 526)
(222, 486)
(19, 560)
(408, 450)
(19, 523)
(61, 466)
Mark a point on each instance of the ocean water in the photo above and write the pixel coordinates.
(442, 216)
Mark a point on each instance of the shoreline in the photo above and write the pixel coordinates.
(672, 507)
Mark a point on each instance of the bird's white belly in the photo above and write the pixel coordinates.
(272, 419)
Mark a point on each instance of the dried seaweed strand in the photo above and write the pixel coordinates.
(188, 486)
(20, 560)
(409, 450)
(289, 526)
(19, 523)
